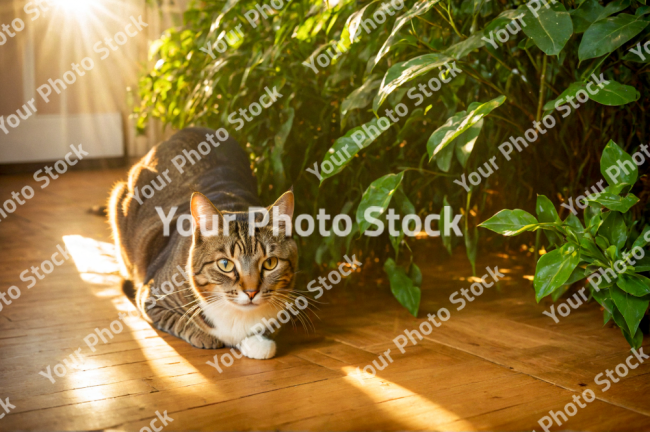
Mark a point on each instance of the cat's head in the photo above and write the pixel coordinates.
(235, 269)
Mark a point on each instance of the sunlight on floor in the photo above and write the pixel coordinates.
(380, 391)
(95, 261)
(97, 265)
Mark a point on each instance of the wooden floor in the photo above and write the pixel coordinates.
(498, 364)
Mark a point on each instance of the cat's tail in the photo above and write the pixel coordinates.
(128, 288)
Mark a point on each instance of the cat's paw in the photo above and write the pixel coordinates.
(257, 347)
(204, 341)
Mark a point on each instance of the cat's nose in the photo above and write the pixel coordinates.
(251, 294)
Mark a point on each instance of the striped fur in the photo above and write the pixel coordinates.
(195, 300)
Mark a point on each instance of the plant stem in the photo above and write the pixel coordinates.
(542, 89)
(426, 171)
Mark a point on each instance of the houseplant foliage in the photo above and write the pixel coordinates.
(607, 243)
(501, 83)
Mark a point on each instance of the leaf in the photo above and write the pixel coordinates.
(443, 159)
(510, 222)
(378, 194)
(406, 71)
(551, 29)
(613, 7)
(615, 202)
(419, 8)
(586, 14)
(604, 299)
(641, 239)
(344, 148)
(589, 246)
(604, 36)
(463, 48)
(546, 213)
(632, 308)
(354, 21)
(642, 265)
(570, 91)
(590, 214)
(612, 154)
(615, 94)
(573, 222)
(636, 285)
(360, 97)
(636, 341)
(465, 142)
(614, 230)
(402, 285)
(405, 207)
(456, 125)
(554, 269)
(278, 149)
(546, 210)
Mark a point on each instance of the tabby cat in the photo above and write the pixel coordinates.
(224, 283)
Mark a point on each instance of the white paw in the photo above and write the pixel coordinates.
(257, 347)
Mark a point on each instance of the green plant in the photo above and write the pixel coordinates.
(502, 89)
(603, 248)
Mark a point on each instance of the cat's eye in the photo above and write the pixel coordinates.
(225, 265)
(270, 263)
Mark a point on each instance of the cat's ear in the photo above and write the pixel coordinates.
(205, 214)
(282, 209)
(285, 204)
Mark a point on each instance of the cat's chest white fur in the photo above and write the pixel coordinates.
(232, 325)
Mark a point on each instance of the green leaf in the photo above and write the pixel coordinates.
(510, 222)
(641, 239)
(570, 92)
(612, 8)
(462, 48)
(378, 194)
(612, 154)
(604, 299)
(590, 214)
(403, 286)
(614, 230)
(345, 147)
(360, 97)
(573, 222)
(554, 269)
(419, 8)
(456, 125)
(354, 21)
(604, 36)
(612, 94)
(587, 244)
(636, 285)
(465, 142)
(546, 210)
(615, 94)
(405, 207)
(643, 264)
(585, 15)
(636, 341)
(631, 307)
(615, 202)
(278, 149)
(551, 29)
(546, 213)
(406, 71)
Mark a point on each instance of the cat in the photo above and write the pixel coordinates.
(228, 282)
